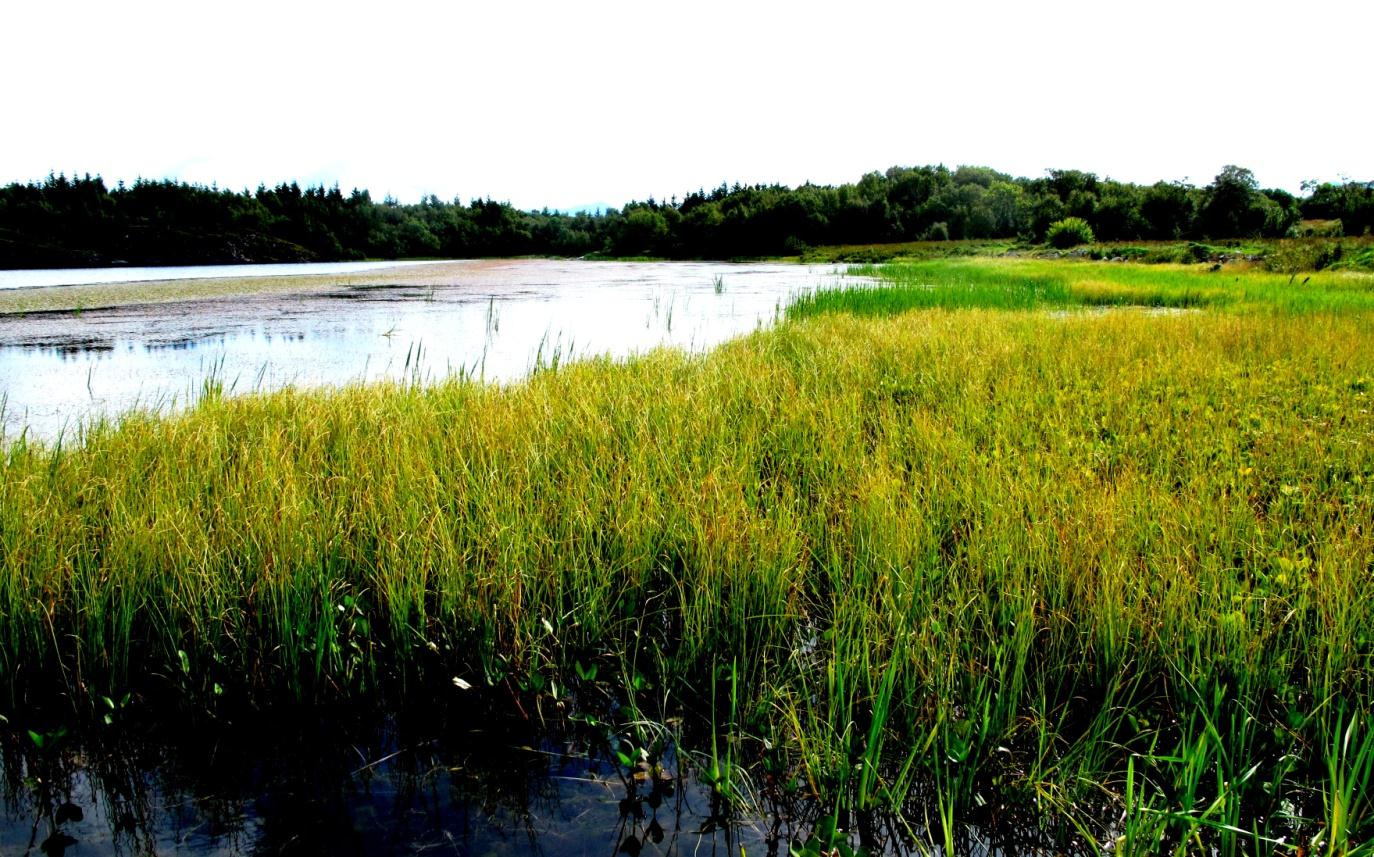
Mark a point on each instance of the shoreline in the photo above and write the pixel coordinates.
(96, 296)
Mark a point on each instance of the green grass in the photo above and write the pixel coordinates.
(1010, 284)
(875, 253)
(1286, 255)
(1105, 570)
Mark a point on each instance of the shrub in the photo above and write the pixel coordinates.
(1177, 254)
(1362, 261)
(1204, 252)
(936, 232)
(1321, 229)
(1069, 232)
(1311, 254)
(1130, 254)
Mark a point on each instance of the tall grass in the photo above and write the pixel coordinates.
(1110, 569)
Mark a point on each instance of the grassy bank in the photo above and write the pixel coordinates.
(1103, 572)
(1012, 284)
(1281, 255)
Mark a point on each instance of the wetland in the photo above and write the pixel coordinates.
(78, 351)
(953, 556)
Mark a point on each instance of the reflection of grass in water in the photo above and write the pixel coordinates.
(1103, 565)
(238, 784)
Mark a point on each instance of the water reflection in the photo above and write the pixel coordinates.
(473, 779)
(489, 319)
(340, 784)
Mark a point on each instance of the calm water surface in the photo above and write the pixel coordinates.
(490, 319)
(439, 779)
(336, 787)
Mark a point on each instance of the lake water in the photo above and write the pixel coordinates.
(492, 319)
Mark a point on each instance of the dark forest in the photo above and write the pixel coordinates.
(80, 221)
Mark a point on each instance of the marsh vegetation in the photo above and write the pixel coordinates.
(994, 543)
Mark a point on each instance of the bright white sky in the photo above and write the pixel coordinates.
(572, 103)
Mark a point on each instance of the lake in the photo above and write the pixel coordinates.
(490, 319)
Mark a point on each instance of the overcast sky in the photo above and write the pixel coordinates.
(572, 103)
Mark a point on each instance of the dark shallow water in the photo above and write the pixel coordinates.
(495, 320)
(478, 781)
(338, 785)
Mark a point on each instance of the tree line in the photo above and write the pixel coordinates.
(78, 221)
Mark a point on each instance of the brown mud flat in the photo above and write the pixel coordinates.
(85, 298)
(95, 316)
